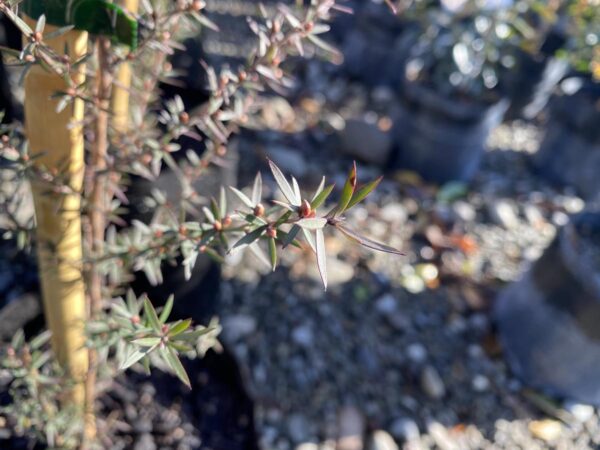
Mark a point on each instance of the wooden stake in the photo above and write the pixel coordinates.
(59, 136)
(122, 85)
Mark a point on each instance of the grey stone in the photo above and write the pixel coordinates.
(405, 428)
(582, 413)
(416, 353)
(386, 304)
(432, 384)
(303, 335)
(504, 213)
(145, 442)
(381, 440)
(298, 427)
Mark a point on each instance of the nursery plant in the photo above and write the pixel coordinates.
(95, 120)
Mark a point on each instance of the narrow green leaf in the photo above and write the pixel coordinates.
(250, 237)
(289, 237)
(319, 190)
(179, 327)
(347, 191)
(273, 253)
(151, 316)
(322, 196)
(147, 341)
(169, 356)
(133, 354)
(321, 257)
(166, 312)
(214, 207)
(364, 192)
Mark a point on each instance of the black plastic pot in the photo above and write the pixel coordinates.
(442, 139)
(548, 321)
(10, 36)
(196, 298)
(570, 151)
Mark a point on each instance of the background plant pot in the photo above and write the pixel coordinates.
(10, 37)
(530, 84)
(442, 139)
(570, 151)
(196, 298)
(548, 321)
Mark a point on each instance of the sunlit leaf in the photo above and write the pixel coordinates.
(243, 197)
(273, 253)
(366, 242)
(283, 184)
(179, 327)
(314, 223)
(320, 198)
(257, 190)
(363, 192)
(166, 312)
(321, 256)
(347, 191)
(151, 316)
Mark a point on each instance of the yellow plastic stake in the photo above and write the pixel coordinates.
(122, 84)
(58, 136)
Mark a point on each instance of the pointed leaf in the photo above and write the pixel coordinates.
(297, 194)
(347, 191)
(133, 354)
(250, 237)
(319, 189)
(283, 184)
(164, 315)
(289, 238)
(322, 196)
(310, 239)
(321, 257)
(243, 197)
(147, 341)
(364, 192)
(151, 316)
(366, 242)
(179, 327)
(273, 253)
(169, 356)
(257, 189)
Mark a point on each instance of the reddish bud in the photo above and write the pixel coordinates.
(182, 230)
(259, 210)
(242, 75)
(29, 58)
(36, 37)
(218, 226)
(226, 221)
(305, 209)
(165, 329)
(202, 249)
(135, 320)
(197, 6)
(271, 232)
(309, 26)
(184, 118)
